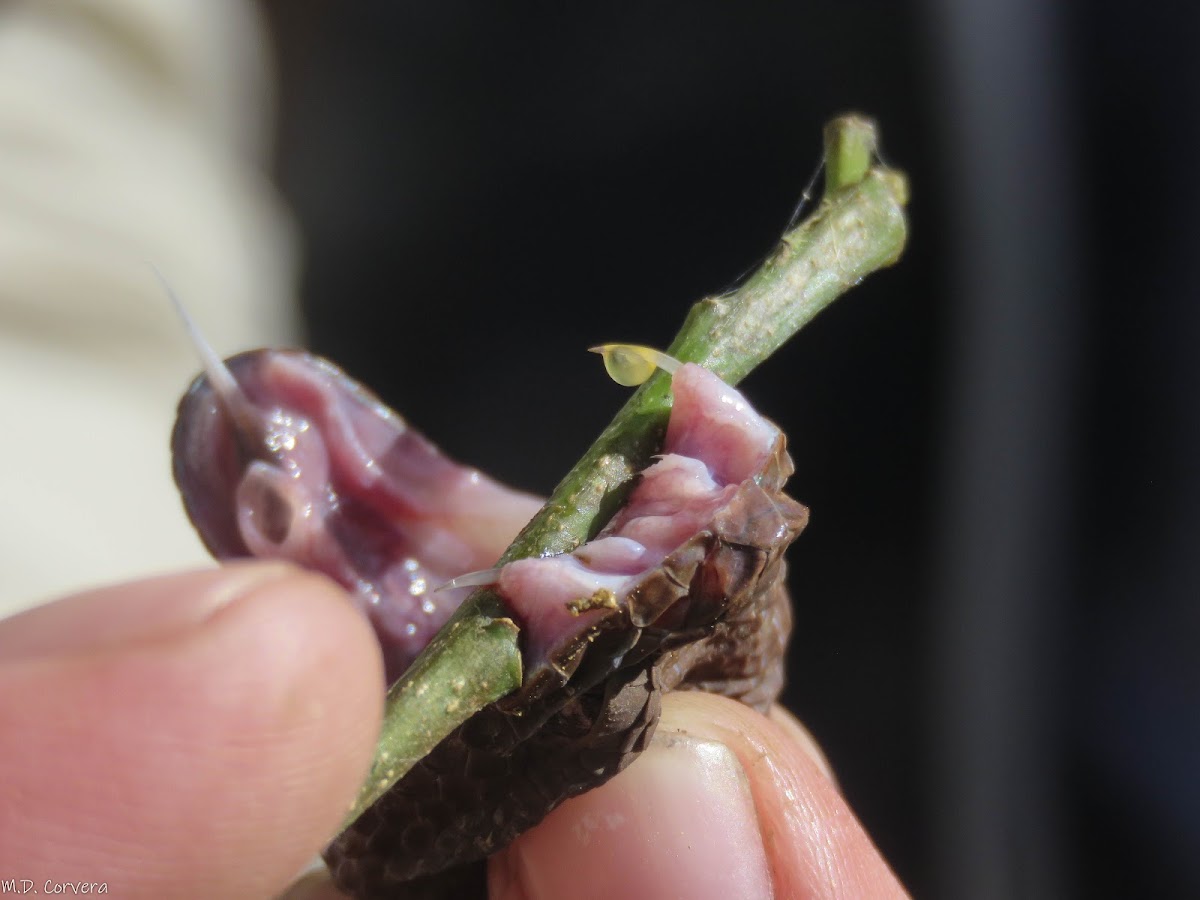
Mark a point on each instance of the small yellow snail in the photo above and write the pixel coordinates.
(630, 364)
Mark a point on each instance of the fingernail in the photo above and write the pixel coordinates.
(138, 611)
(681, 821)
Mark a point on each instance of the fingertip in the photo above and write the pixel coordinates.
(313, 886)
(679, 822)
(312, 679)
(118, 615)
(724, 803)
(815, 844)
(217, 754)
(803, 739)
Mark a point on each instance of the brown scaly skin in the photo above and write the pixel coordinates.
(714, 616)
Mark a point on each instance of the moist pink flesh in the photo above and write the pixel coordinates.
(318, 471)
(715, 441)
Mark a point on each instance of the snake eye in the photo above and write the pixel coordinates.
(631, 364)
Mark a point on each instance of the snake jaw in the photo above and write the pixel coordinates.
(336, 482)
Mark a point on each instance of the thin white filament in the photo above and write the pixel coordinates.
(482, 578)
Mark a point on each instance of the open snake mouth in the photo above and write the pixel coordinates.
(304, 464)
(683, 587)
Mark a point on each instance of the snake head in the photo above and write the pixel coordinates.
(298, 461)
(280, 454)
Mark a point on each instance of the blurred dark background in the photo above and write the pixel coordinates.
(998, 600)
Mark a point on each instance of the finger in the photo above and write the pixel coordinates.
(196, 735)
(803, 738)
(724, 804)
(315, 886)
(815, 845)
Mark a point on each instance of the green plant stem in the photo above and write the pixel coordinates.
(858, 227)
(851, 144)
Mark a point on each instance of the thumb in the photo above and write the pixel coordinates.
(725, 803)
(195, 735)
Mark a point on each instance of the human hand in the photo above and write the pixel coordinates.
(194, 736)
(200, 735)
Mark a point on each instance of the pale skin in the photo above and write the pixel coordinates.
(201, 734)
